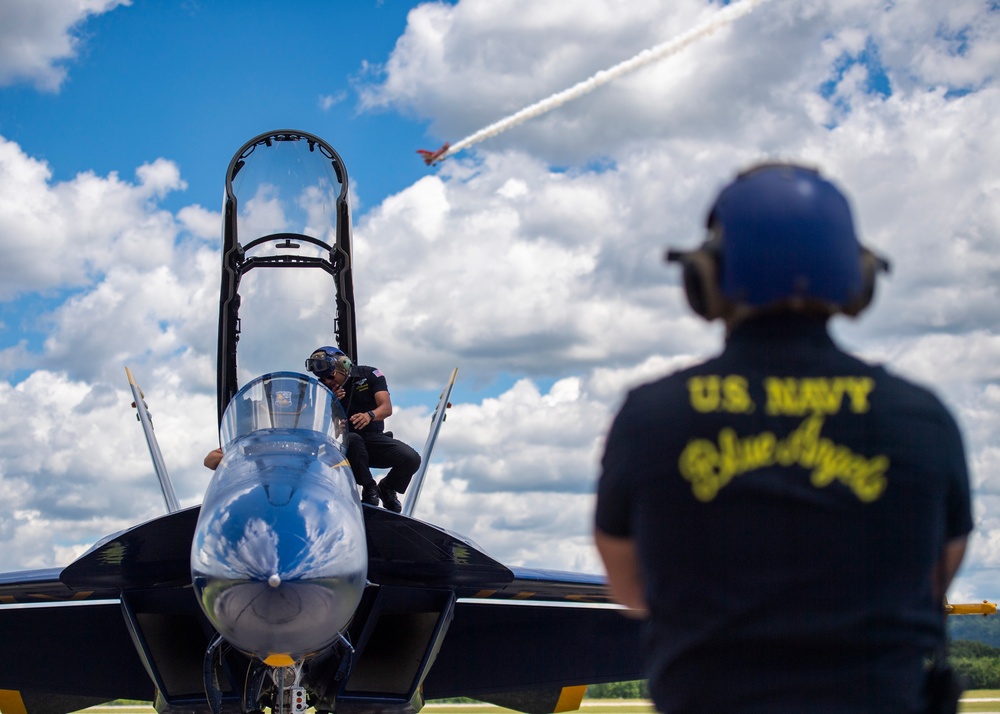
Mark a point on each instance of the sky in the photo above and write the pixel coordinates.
(532, 261)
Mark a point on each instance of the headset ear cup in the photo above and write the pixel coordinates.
(694, 289)
(701, 284)
(871, 266)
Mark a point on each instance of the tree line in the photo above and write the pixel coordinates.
(977, 663)
(973, 650)
(638, 689)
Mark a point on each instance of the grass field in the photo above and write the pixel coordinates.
(594, 706)
(979, 700)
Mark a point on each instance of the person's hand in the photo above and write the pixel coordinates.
(213, 458)
(360, 420)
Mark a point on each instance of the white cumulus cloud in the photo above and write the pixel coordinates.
(533, 262)
(37, 37)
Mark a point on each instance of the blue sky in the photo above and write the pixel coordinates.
(532, 261)
(192, 81)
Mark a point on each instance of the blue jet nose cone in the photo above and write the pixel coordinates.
(279, 559)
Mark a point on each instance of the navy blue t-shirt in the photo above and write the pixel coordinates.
(359, 393)
(788, 503)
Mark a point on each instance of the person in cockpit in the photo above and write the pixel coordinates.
(363, 393)
(253, 412)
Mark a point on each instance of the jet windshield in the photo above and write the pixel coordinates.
(283, 400)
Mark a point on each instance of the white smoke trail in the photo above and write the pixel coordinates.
(723, 17)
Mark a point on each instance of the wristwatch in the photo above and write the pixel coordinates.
(371, 415)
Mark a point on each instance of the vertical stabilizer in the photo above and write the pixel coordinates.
(154, 449)
(418, 478)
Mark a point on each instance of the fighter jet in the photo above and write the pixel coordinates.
(430, 157)
(282, 590)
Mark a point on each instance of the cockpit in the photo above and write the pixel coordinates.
(283, 400)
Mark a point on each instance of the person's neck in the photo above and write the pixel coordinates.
(778, 323)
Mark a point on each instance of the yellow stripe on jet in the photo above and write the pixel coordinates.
(570, 699)
(11, 702)
(29, 598)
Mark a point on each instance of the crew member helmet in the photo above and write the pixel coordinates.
(780, 237)
(326, 360)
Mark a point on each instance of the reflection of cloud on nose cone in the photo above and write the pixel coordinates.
(279, 558)
(254, 556)
(257, 551)
(332, 551)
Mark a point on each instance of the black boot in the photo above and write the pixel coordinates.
(369, 494)
(389, 498)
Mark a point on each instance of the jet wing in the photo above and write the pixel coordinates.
(536, 642)
(69, 635)
(50, 632)
(440, 619)
(449, 621)
(156, 553)
(42, 587)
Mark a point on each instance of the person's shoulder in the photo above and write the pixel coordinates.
(670, 385)
(900, 390)
(913, 393)
(685, 370)
(369, 372)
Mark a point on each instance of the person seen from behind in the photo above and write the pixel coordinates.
(787, 516)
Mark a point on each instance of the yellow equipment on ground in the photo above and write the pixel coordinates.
(976, 608)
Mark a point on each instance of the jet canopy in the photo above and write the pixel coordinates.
(286, 206)
(283, 400)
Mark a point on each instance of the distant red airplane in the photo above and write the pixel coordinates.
(430, 157)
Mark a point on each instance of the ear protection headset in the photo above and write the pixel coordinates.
(700, 276)
(326, 360)
(780, 237)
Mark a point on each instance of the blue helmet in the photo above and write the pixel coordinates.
(326, 360)
(780, 237)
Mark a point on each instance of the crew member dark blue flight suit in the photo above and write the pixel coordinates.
(787, 515)
(364, 395)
